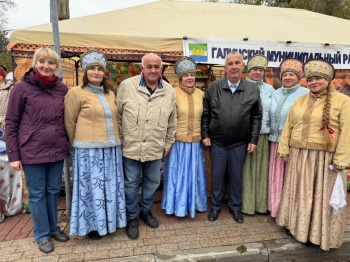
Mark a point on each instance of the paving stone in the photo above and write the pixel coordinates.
(108, 246)
(196, 237)
(85, 248)
(189, 245)
(167, 247)
(93, 256)
(174, 239)
(33, 253)
(75, 241)
(231, 240)
(5, 244)
(154, 241)
(63, 250)
(187, 231)
(149, 234)
(151, 249)
(122, 252)
(181, 239)
(252, 238)
(12, 256)
(46, 258)
(144, 258)
(210, 242)
(131, 243)
(26, 246)
(166, 233)
(71, 257)
(175, 226)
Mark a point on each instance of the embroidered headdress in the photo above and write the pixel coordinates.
(257, 61)
(319, 68)
(292, 65)
(92, 58)
(185, 65)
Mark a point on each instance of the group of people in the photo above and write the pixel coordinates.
(117, 142)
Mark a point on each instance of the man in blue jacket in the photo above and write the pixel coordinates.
(231, 125)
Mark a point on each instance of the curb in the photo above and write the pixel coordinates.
(268, 251)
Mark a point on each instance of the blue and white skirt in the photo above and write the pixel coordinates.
(98, 191)
(185, 189)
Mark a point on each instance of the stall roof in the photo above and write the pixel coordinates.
(160, 27)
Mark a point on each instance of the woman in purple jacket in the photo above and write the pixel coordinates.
(37, 143)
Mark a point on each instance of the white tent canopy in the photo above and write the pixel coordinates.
(161, 26)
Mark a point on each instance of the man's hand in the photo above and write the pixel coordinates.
(251, 148)
(166, 152)
(206, 142)
(17, 165)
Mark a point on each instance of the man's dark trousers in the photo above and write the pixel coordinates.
(233, 161)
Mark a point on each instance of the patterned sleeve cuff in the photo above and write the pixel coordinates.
(283, 155)
(341, 167)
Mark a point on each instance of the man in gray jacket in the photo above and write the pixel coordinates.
(147, 125)
(231, 124)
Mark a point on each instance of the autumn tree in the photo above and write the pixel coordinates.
(5, 57)
(277, 3)
(338, 8)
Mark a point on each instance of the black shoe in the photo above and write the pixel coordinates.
(60, 236)
(288, 232)
(237, 216)
(213, 214)
(46, 246)
(308, 243)
(132, 229)
(94, 235)
(149, 219)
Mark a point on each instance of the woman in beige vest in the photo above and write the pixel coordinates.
(185, 190)
(98, 204)
(315, 144)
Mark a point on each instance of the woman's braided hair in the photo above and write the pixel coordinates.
(325, 117)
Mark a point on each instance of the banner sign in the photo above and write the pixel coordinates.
(214, 51)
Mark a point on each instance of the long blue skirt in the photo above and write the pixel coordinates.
(185, 188)
(98, 201)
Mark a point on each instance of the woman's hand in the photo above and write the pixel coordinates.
(285, 158)
(17, 165)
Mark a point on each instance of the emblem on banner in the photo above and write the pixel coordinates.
(198, 51)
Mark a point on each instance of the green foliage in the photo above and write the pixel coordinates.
(3, 41)
(6, 59)
(5, 56)
(26, 208)
(338, 8)
(279, 3)
(242, 249)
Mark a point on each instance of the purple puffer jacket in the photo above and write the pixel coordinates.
(34, 122)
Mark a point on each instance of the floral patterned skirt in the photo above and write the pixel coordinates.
(10, 189)
(185, 188)
(98, 199)
(276, 179)
(305, 206)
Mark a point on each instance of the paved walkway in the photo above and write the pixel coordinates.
(176, 239)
